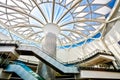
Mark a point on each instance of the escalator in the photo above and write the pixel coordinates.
(44, 57)
(97, 64)
(23, 71)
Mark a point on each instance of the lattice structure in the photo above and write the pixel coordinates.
(76, 20)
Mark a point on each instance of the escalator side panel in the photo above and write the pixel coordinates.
(23, 71)
(49, 60)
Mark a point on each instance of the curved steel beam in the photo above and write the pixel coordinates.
(34, 34)
(66, 37)
(53, 8)
(74, 32)
(25, 25)
(84, 20)
(40, 10)
(77, 2)
(21, 12)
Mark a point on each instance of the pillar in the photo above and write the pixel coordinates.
(49, 47)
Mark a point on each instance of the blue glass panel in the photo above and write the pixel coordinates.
(89, 40)
(67, 46)
(63, 2)
(88, 16)
(97, 35)
(74, 45)
(106, 15)
(95, 15)
(67, 18)
(90, 1)
(57, 1)
(92, 23)
(95, 7)
(81, 43)
(83, 2)
(89, 28)
(87, 9)
(85, 32)
(111, 3)
(69, 5)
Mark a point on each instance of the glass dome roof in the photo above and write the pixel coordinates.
(73, 21)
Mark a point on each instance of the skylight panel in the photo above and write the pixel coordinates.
(100, 1)
(79, 9)
(68, 1)
(81, 14)
(103, 10)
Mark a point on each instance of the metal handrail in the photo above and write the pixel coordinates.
(88, 56)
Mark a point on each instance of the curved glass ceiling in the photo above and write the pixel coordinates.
(71, 20)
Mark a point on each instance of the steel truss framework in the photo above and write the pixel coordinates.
(76, 20)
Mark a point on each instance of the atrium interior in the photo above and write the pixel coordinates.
(59, 39)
